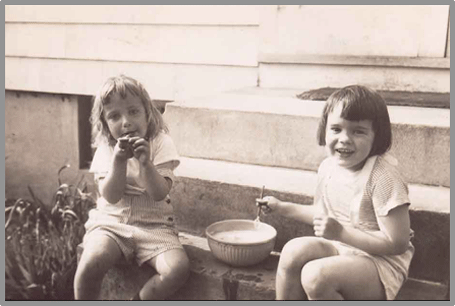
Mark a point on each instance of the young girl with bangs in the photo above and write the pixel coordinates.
(361, 249)
(133, 167)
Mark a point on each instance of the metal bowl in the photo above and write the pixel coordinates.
(241, 242)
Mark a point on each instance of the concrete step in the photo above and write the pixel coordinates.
(211, 279)
(208, 191)
(274, 128)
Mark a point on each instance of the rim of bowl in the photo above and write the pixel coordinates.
(240, 243)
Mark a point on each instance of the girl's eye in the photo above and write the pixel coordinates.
(134, 111)
(113, 117)
(335, 129)
(359, 132)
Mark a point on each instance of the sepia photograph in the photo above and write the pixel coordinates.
(227, 152)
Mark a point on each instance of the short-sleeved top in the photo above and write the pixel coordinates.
(136, 207)
(359, 200)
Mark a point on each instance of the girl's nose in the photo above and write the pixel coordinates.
(126, 122)
(344, 137)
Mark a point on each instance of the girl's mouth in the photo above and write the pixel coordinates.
(344, 152)
(127, 134)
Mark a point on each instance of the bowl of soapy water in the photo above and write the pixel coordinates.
(240, 242)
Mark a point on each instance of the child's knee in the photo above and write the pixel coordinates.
(88, 267)
(85, 273)
(180, 271)
(296, 253)
(314, 278)
(174, 268)
(94, 264)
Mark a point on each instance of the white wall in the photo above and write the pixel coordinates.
(370, 30)
(176, 51)
(388, 47)
(185, 51)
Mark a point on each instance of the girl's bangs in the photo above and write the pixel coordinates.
(120, 86)
(355, 109)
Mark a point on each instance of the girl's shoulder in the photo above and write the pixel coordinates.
(162, 139)
(101, 158)
(387, 187)
(163, 149)
(325, 166)
(386, 171)
(160, 136)
(388, 166)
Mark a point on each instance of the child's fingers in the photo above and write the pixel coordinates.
(141, 154)
(319, 222)
(319, 230)
(262, 201)
(123, 143)
(318, 217)
(142, 158)
(138, 141)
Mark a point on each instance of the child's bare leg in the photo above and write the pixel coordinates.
(99, 255)
(295, 254)
(342, 278)
(173, 269)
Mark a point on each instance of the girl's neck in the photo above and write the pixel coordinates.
(348, 173)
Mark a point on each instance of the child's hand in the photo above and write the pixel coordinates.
(269, 204)
(327, 227)
(122, 149)
(141, 149)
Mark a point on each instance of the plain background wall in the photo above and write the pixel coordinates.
(185, 51)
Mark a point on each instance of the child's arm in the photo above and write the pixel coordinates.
(299, 212)
(392, 238)
(112, 186)
(156, 185)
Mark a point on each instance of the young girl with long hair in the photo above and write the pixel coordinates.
(133, 167)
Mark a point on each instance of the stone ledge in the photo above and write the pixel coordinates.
(213, 280)
(286, 102)
(423, 197)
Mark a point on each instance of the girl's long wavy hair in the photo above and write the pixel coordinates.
(123, 85)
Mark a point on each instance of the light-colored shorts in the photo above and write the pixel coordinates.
(138, 243)
(391, 277)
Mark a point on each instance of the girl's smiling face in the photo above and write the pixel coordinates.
(125, 116)
(349, 142)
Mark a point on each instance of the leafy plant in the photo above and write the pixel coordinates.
(41, 243)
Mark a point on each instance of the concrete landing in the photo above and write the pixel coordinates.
(211, 279)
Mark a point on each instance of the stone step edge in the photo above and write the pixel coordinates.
(246, 276)
(284, 103)
(423, 197)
